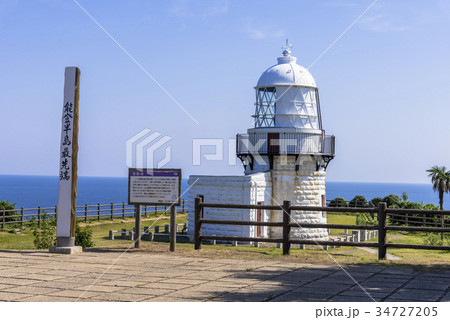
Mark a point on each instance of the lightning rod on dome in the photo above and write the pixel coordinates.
(287, 47)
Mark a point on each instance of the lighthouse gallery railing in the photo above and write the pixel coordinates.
(285, 143)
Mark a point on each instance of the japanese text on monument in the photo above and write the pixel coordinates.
(66, 149)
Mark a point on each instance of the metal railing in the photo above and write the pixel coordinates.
(380, 212)
(285, 143)
(84, 212)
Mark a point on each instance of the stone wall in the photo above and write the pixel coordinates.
(305, 186)
(249, 189)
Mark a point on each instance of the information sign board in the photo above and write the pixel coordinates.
(154, 187)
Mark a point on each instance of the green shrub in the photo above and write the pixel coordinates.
(411, 205)
(416, 219)
(376, 201)
(435, 240)
(392, 201)
(5, 205)
(358, 201)
(365, 219)
(430, 206)
(83, 236)
(338, 202)
(405, 196)
(45, 235)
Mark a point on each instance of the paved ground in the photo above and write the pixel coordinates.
(40, 276)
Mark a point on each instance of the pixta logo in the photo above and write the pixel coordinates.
(143, 148)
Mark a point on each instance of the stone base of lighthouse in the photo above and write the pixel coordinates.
(303, 187)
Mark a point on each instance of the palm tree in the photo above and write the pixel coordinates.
(440, 178)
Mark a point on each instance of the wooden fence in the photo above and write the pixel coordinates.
(380, 213)
(423, 219)
(85, 212)
(406, 218)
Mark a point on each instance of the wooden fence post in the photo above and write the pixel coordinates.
(442, 226)
(21, 216)
(382, 231)
(123, 210)
(198, 225)
(286, 228)
(85, 212)
(3, 219)
(98, 211)
(145, 210)
(182, 208)
(112, 211)
(156, 211)
(39, 217)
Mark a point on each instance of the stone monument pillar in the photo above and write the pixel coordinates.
(68, 166)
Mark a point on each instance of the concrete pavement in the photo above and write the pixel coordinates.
(140, 276)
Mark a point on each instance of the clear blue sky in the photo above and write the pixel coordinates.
(384, 86)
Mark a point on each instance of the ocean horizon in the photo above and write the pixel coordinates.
(29, 191)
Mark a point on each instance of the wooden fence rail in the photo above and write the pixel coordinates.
(381, 212)
(84, 212)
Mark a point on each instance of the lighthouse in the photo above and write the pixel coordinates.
(288, 140)
(285, 154)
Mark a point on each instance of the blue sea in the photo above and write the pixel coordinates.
(34, 191)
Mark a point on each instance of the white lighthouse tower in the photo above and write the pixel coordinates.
(285, 154)
(288, 141)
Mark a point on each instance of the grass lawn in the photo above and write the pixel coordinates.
(340, 219)
(16, 241)
(23, 240)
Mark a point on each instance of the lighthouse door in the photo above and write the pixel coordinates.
(273, 142)
(258, 219)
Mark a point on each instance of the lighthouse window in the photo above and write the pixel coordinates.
(265, 107)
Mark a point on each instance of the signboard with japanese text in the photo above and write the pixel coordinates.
(154, 187)
(67, 192)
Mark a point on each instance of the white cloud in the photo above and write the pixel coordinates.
(381, 23)
(263, 32)
(218, 7)
(188, 8)
(181, 8)
(385, 16)
(339, 3)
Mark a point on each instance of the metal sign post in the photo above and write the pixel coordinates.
(173, 227)
(137, 226)
(68, 166)
(155, 187)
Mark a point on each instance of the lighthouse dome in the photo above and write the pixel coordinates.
(286, 73)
